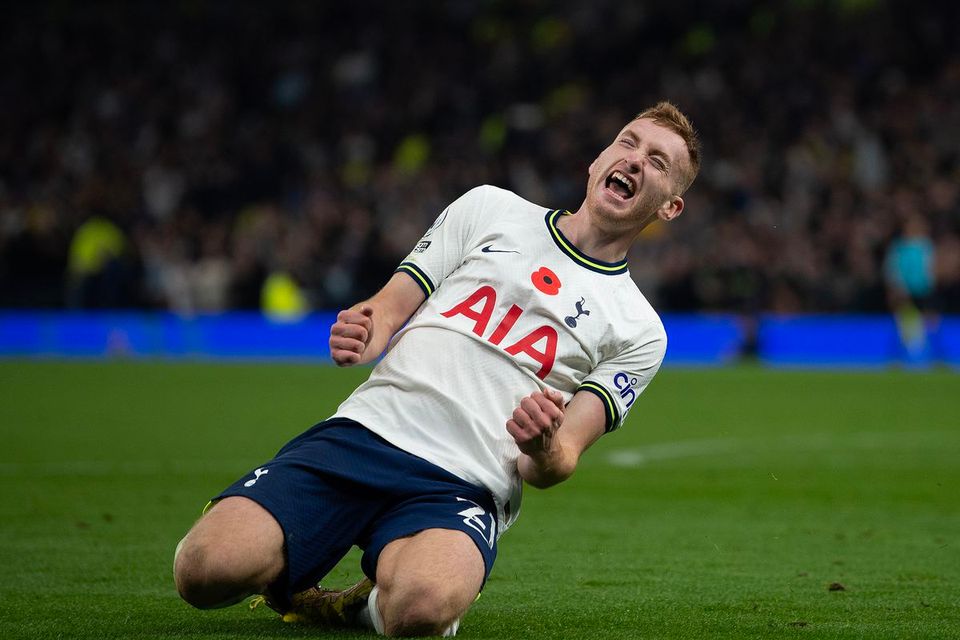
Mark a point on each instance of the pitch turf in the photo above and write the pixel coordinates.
(726, 507)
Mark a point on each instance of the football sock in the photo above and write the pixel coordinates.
(451, 630)
(369, 615)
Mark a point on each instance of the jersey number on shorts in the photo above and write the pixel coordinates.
(472, 518)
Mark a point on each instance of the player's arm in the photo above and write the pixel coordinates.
(552, 437)
(362, 332)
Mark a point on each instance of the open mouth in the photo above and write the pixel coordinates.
(620, 184)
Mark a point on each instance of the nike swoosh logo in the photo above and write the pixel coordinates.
(488, 249)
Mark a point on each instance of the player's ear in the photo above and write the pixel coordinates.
(670, 209)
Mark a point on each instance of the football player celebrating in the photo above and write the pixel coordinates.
(514, 339)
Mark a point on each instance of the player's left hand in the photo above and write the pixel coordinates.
(535, 422)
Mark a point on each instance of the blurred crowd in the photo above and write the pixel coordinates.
(202, 156)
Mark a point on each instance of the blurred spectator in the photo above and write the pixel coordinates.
(97, 276)
(909, 270)
(282, 298)
(909, 265)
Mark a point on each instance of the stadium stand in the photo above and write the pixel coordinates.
(177, 156)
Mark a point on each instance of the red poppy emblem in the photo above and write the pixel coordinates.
(546, 281)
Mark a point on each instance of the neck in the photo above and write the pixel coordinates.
(609, 245)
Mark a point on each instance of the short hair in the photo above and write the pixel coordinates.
(666, 114)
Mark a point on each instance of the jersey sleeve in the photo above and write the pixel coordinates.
(620, 380)
(448, 240)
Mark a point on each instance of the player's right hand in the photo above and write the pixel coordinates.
(350, 335)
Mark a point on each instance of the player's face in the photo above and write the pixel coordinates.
(635, 178)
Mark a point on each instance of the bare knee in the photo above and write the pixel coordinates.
(428, 581)
(227, 556)
(190, 573)
(204, 578)
(418, 609)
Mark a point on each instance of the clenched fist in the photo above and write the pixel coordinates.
(350, 335)
(536, 420)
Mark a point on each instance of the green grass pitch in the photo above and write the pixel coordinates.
(726, 507)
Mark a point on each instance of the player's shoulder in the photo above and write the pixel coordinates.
(500, 199)
(637, 315)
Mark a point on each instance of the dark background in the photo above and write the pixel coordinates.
(220, 142)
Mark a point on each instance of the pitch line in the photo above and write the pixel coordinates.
(867, 440)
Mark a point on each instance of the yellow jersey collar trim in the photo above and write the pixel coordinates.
(608, 268)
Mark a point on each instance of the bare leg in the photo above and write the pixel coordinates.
(233, 551)
(427, 582)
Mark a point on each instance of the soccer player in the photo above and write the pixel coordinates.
(514, 339)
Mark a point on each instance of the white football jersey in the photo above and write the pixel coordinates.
(512, 307)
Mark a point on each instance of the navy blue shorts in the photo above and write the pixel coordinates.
(339, 484)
